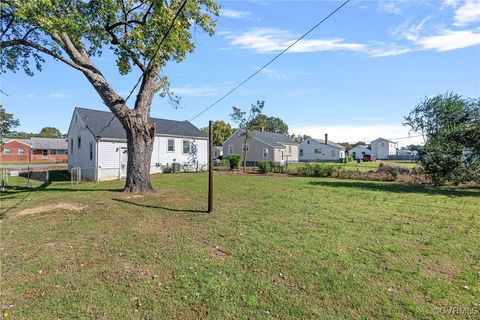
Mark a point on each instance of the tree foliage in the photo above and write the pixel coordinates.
(7, 122)
(221, 131)
(245, 122)
(50, 132)
(270, 124)
(450, 126)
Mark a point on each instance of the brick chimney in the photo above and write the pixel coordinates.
(326, 138)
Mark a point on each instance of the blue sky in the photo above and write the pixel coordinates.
(354, 77)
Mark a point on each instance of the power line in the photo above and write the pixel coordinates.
(158, 49)
(269, 62)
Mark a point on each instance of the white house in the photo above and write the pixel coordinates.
(97, 144)
(359, 151)
(320, 150)
(382, 148)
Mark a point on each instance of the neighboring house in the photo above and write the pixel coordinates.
(217, 152)
(34, 150)
(262, 145)
(382, 148)
(98, 145)
(321, 150)
(359, 151)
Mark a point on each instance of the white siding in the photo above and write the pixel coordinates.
(327, 152)
(81, 157)
(381, 149)
(359, 151)
(109, 159)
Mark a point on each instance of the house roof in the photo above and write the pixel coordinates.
(360, 146)
(43, 143)
(380, 139)
(330, 143)
(271, 138)
(103, 124)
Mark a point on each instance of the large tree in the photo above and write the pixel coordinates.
(450, 126)
(270, 124)
(50, 132)
(7, 122)
(221, 132)
(142, 35)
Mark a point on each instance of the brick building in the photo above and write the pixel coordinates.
(34, 150)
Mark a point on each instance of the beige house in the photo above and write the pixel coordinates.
(262, 145)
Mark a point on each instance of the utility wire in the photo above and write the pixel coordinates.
(158, 49)
(272, 60)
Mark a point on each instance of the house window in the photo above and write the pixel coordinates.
(60, 151)
(230, 149)
(318, 151)
(243, 147)
(333, 153)
(7, 151)
(90, 150)
(301, 152)
(186, 146)
(21, 152)
(45, 152)
(266, 153)
(71, 145)
(171, 145)
(79, 142)
(382, 144)
(290, 149)
(76, 118)
(308, 141)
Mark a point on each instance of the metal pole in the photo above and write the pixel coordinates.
(210, 166)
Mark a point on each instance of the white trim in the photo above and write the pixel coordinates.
(173, 151)
(268, 153)
(189, 146)
(5, 151)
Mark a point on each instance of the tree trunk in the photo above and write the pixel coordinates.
(140, 139)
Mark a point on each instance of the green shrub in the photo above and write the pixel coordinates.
(265, 166)
(234, 160)
(317, 169)
(350, 158)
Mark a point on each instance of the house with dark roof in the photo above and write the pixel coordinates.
(34, 150)
(321, 150)
(97, 145)
(262, 145)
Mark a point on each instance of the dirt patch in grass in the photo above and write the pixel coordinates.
(48, 208)
(216, 252)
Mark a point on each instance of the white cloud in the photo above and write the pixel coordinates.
(354, 133)
(273, 74)
(202, 91)
(448, 40)
(269, 40)
(234, 14)
(57, 95)
(468, 13)
(389, 7)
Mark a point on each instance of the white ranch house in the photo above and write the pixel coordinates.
(359, 151)
(97, 144)
(320, 150)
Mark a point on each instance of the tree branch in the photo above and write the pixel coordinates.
(36, 46)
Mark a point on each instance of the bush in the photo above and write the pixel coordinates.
(265, 166)
(350, 158)
(234, 160)
(317, 170)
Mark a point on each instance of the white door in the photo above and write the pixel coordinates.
(123, 162)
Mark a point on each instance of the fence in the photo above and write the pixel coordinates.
(403, 157)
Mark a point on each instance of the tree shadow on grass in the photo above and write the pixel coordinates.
(398, 188)
(160, 207)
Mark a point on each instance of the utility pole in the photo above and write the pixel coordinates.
(210, 166)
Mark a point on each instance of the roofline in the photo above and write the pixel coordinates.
(323, 143)
(11, 140)
(97, 138)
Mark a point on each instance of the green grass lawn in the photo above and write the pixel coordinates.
(275, 248)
